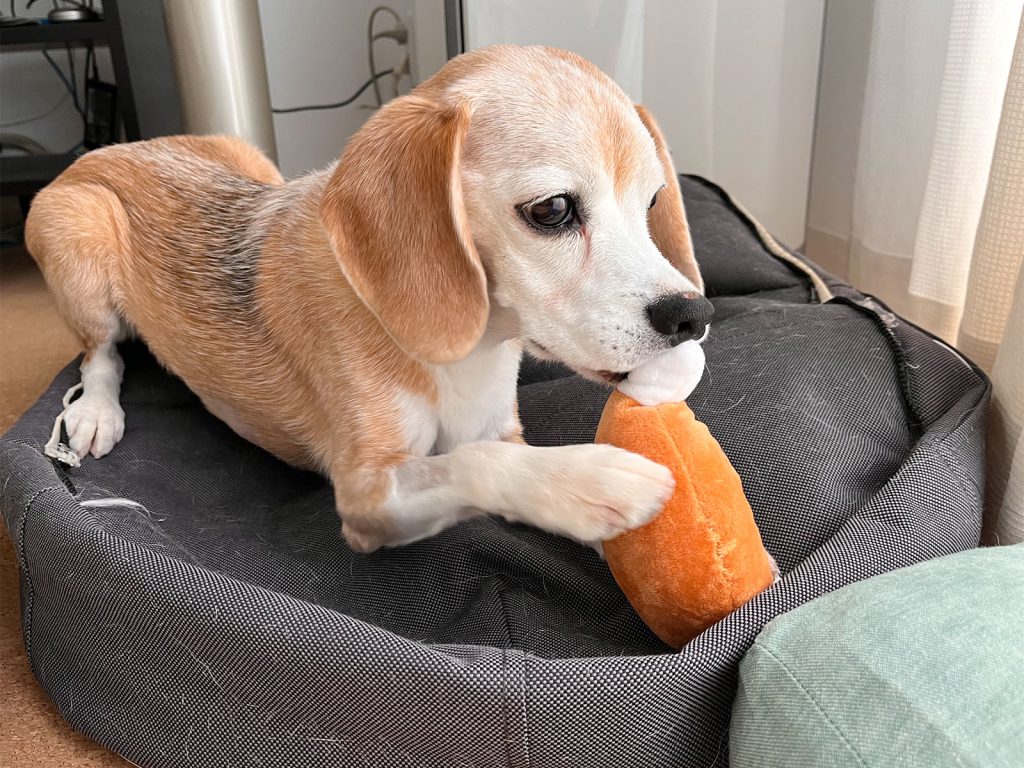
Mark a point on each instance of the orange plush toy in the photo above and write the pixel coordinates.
(702, 556)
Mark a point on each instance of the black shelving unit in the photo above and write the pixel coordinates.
(24, 176)
(31, 36)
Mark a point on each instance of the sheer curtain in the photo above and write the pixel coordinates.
(938, 213)
(733, 84)
(992, 329)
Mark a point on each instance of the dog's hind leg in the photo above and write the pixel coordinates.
(95, 421)
(74, 234)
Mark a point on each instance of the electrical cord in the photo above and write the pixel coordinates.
(64, 79)
(345, 103)
(90, 55)
(72, 88)
(370, 40)
(74, 79)
(70, 84)
(399, 34)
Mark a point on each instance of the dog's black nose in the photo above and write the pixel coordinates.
(681, 316)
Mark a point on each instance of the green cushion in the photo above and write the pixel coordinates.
(920, 667)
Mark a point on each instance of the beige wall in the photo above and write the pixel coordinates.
(844, 67)
(316, 54)
(733, 84)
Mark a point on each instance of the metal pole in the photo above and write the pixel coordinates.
(217, 47)
(453, 27)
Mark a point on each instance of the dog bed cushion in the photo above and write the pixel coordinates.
(187, 600)
(924, 666)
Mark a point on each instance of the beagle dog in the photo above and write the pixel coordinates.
(368, 320)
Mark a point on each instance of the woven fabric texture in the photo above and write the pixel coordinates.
(215, 617)
(920, 667)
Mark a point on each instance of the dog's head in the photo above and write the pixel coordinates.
(520, 188)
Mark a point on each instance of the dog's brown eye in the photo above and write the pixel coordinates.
(552, 213)
(653, 201)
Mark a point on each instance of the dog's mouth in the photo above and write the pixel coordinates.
(611, 378)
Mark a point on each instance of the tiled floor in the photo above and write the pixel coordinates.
(34, 345)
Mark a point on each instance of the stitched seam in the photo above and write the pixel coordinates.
(58, 468)
(817, 706)
(505, 707)
(504, 613)
(526, 720)
(914, 422)
(969, 487)
(23, 562)
(506, 687)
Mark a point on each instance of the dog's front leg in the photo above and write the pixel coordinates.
(586, 492)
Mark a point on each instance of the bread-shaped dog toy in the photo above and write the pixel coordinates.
(702, 556)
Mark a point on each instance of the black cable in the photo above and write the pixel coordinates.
(74, 78)
(370, 42)
(90, 54)
(63, 79)
(344, 103)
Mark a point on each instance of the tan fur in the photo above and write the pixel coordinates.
(233, 153)
(312, 316)
(154, 268)
(76, 269)
(407, 162)
(667, 220)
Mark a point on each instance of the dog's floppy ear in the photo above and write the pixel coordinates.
(394, 215)
(667, 219)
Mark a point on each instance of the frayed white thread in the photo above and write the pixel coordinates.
(54, 448)
(112, 502)
(774, 566)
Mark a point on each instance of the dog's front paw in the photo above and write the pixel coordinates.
(94, 425)
(595, 492)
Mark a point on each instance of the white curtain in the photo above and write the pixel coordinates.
(938, 213)
(937, 73)
(992, 330)
(732, 83)
(610, 34)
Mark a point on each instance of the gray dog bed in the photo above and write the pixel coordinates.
(187, 600)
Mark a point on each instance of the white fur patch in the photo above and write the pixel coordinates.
(476, 400)
(95, 421)
(477, 396)
(419, 423)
